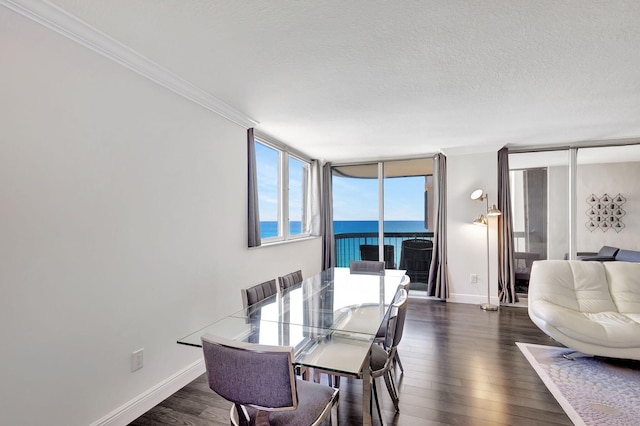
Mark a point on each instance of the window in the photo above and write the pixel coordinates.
(283, 187)
(401, 209)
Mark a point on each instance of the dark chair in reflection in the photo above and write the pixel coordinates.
(523, 262)
(290, 279)
(251, 298)
(259, 380)
(257, 293)
(370, 252)
(415, 257)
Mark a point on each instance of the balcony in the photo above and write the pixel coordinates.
(348, 248)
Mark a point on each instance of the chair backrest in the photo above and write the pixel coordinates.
(405, 283)
(261, 376)
(290, 279)
(396, 320)
(416, 254)
(257, 293)
(415, 258)
(367, 267)
(370, 252)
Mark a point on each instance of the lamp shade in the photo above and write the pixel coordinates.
(493, 211)
(480, 220)
(477, 194)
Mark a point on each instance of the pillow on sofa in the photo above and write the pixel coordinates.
(606, 253)
(628, 256)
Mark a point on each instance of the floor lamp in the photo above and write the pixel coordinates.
(479, 195)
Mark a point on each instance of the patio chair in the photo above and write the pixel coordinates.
(370, 252)
(415, 257)
(260, 382)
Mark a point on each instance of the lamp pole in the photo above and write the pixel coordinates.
(479, 195)
(488, 306)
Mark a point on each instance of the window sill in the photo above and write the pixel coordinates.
(280, 242)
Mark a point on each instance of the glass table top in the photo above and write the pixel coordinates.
(329, 319)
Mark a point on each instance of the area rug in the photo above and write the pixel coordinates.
(591, 390)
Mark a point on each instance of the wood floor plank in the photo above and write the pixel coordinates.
(462, 367)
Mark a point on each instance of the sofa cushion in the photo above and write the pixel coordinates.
(591, 307)
(624, 285)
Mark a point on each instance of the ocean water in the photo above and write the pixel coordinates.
(270, 229)
(349, 248)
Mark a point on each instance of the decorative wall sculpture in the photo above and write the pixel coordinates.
(605, 212)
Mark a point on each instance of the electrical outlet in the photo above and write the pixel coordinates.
(137, 359)
(474, 278)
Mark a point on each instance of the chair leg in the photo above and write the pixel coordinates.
(397, 361)
(335, 414)
(388, 380)
(375, 396)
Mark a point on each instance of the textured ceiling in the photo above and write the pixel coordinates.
(342, 80)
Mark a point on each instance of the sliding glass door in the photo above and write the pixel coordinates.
(539, 184)
(408, 196)
(355, 211)
(388, 202)
(606, 198)
(571, 202)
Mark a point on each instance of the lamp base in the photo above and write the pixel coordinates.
(488, 307)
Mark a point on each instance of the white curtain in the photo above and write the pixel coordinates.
(314, 203)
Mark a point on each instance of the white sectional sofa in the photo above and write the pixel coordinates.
(591, 307)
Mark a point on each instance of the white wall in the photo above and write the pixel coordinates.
(612, 179)
(122, 226)
(467, 242)
(557, 212)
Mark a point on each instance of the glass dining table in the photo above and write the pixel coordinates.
(330, 319)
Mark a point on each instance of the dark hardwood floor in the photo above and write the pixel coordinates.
(462, 367)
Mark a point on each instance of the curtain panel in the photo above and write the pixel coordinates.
(506, 265)
(252, 178)
(328, 244)
(438, 272)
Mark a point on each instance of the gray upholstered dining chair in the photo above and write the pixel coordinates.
(367, 267)
(257, 293)
(290, 279)
(382, 356)
(260, 382)
(381, 335)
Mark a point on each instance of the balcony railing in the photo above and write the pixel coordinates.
(348, 244)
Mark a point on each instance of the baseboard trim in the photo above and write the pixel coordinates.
(139, 405)
(471, 299)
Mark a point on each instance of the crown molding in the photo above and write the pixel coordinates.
(60, 21)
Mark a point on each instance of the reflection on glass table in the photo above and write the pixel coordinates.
(330, 320)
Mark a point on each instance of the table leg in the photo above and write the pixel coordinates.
(366, 391)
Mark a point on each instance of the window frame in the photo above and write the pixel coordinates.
(283, 193)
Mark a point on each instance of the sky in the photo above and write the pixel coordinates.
(357, 199)
(353, 199)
